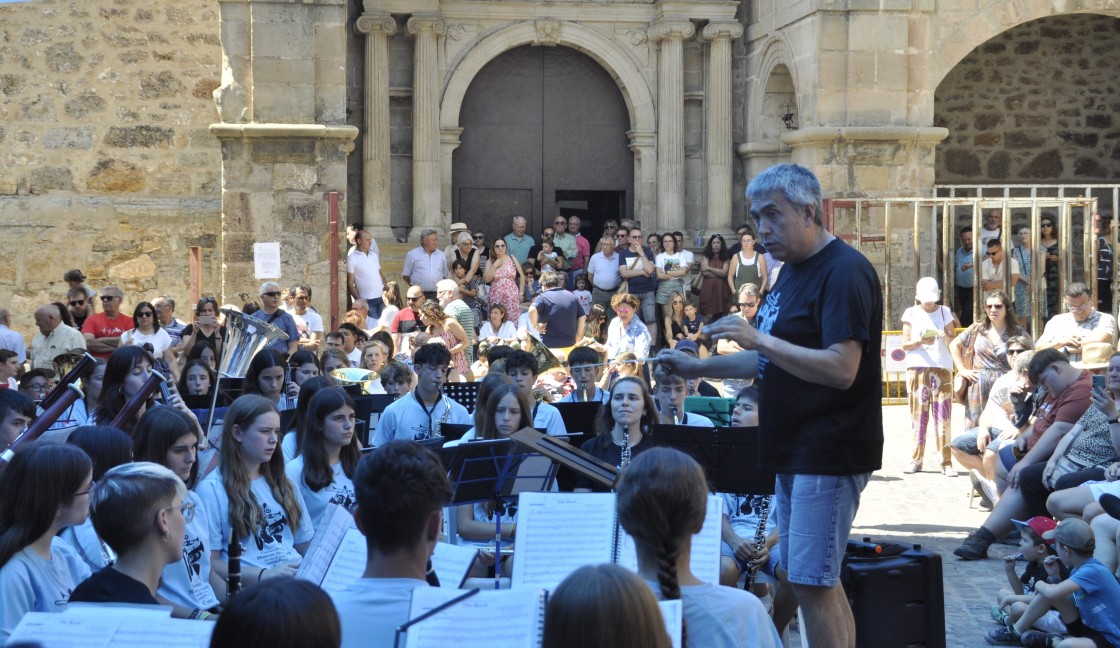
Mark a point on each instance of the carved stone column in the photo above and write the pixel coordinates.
(718, 106)
(644, 146)
(425, 121)
(375, 141)
(670, 120)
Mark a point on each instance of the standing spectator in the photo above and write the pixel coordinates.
(103, 330)
(76, 279)
(547, 234)
(352, 237)
(1049, 242)
(583, 250)
(715, 293)
(146, 333)
(9, 339)
(205, 328)
(165, 315)
(479, 238)
(465, 252)
(1105, 263)
(747, 266)
(453, 234)
(603, 269)
(364, 278)
(271, 313)
(653, 242)
(986, 342)
(391, 297)
(817, 353)
(518, 242)
(451, 299)
(563, 239)
(425, 265)
(637, 266)
(992, 230)
(926, 330)
(556, 313)
(964, 272)
(1022, 297)
(995, 267)
(468, 290)
(78, 306)
(507, 280)
(672, 268)
(1082, 325)
(453, 335)
(308, 322)
(53, 339)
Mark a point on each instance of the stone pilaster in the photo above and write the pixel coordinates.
(448, 142)
(718, 106)
(670, 120)
(375, 141)
(644, 146)
(425, 121)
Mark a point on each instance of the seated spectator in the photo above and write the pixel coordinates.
(396, 554)
(279, 613)
(1083, 324)
(1034, 550)
(585, 610)
(498, 329)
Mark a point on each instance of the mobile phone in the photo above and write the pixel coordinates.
(207, 320)
(1100, 383)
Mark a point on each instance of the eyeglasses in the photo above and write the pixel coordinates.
(106, 298)
(80, 302)
(92, 485)
(623, 309)
(271, 293)
(145, 314)
(993, 306)
(412, 299)
(1011, 351)
(994, 253)
(748, 304)
(479, 238)
(636, 237)
(186, 509)
(1047, 225)
(1079, 308)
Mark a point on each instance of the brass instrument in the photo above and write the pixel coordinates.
(76, 369)
(355, 376)
(245, 337)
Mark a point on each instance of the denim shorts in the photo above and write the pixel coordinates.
(815, 514)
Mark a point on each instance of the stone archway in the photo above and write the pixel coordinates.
(601, 48)
(773, 88)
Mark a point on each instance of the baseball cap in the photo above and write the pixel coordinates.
(688, 346)
(1040, 524)
(1073, 533)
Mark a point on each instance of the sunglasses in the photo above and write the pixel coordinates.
(412, 299)
(479, 238)
(274, 293)
(1047, 225)
(145, 314)
(78, 303)
(624, 309)
(747, 304)
(1015, 350)
(105, 298)
(994, 306)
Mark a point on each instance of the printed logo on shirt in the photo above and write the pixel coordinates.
(764, 322)
(342, 496)
(271, 530)
(64, 597)
(192, 556)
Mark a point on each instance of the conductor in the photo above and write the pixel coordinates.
(816, 355)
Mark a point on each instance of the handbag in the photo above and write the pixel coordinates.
(623, 288)
(697, 283)
(960, 383)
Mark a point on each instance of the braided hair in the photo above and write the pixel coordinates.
(662, 500)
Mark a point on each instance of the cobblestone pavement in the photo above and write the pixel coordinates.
(933, 510)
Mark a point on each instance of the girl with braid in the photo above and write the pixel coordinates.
(662, 499)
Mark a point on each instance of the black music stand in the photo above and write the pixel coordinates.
(568, 456)
(729, 456)
(579, 417)
(497, 471)
(454, 431)
(464, 393)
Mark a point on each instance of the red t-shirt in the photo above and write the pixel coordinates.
(403, 315)
(101, 326)
(1066, 408)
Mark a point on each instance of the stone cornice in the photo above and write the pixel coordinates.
(426, 22)
(904, 134)
(725, 29)
(369, 23)
(283, 131)
(671, 28)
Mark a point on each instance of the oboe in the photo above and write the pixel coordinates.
(233, 575)
(759, 535)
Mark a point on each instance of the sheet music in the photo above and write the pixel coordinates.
(348, 564)
(111, 627)
(559, 532)
(673, 613)
(489, 619)
(451, 563)
(328, 536)
(704, 561)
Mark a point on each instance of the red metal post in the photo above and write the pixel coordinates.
(332, 198)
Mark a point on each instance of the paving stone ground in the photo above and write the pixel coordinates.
(933, 510)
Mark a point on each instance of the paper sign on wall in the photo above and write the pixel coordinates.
(266, 260)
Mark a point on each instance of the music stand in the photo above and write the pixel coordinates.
(497, 471)
(716, 409)
(363, 409)
(729, 455)
(568, 456)
(454, 431)
(464, 393)
(579, 417)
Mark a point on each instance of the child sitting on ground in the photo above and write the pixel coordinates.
(1088, 601)
(693, 325)
(1034, 549)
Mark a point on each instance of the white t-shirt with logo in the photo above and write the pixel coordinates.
(273, 542)
(340, 491)
(186, 582)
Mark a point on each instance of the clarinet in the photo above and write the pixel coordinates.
(233, 576)
(759, 535)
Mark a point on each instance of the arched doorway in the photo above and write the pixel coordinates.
(544, 131)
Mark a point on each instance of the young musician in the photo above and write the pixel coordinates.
(80, 413)
(585, 367)
(522, 367)
(670, 395)
(165, 436)
(125, 372)
(16, 413)
(141, 511)
(419, 414)
(325, 468)
(629, 415)
(107, 447)
(250, 495)
(292, 445)
(588, 608)
(278, 613)
(396, 379)
(397, 554)
(268, 376)
(662, 500)
(43, 490)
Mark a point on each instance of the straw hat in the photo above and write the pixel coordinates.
(459, 227)
(1094, 355)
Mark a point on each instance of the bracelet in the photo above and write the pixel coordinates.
(260, 574)
(202, 616)
(1113, 421)
(195, 614)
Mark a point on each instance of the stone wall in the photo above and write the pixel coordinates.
(1036, 104)
(107, 162)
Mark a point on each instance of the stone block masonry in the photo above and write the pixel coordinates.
(100, 105)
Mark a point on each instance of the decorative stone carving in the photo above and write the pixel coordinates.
(727, 29)
(548, 31)
(383, 23)
(420, 23)
(670, 29)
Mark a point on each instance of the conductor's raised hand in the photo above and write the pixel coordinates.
(680, 363)
(736, 329)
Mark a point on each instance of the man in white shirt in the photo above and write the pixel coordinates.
(308, 322)
(364, 278)
(53, 339)
(603, 272)
(1082, 324)
(9, 339)
(419, 414)
(995, 265)
(991, 229)
(401, 490)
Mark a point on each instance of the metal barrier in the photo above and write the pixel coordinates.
(894, 382)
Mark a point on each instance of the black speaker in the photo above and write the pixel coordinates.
(897, 595)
